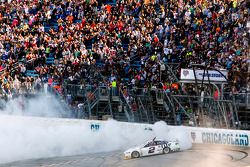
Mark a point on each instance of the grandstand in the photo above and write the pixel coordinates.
(185, 62)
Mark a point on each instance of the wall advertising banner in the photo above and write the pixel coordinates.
(222, 137)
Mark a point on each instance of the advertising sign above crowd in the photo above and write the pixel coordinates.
(208, 75)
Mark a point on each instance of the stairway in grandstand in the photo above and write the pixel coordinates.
(243, 103)
(101, 104)
(149, 106)
(205, 112)
(162, 108)
(243, 106)
(138, 105)
(141, 106)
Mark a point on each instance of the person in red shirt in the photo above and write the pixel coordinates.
(15, 23)
(83, 22)
(108, 8)
(50, 81)
(120, 25)
(216, 95)
(111, 27)
(156, 39)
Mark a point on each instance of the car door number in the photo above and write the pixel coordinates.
(151, 150)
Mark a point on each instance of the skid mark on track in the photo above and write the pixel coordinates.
(114, 159)
(61, 163)
(243, 157)
(232, 157)
(72, 162)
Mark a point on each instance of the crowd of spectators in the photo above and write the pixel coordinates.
(127, 41)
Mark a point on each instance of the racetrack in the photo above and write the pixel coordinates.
(60, 137)
(198, 156)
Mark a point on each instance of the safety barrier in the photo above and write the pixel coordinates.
(196, 135)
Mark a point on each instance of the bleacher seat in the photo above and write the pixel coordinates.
(125, 80)
(111, 2)
(56, 28)
(31, 73)
(136, 19)
(136, 65)
(54, 24)
(77, 21)
(46, 29)
(54, 84)
(89, 47)
(125, 46)
(50, 60)
(99, 63)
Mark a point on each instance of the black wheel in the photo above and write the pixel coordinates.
(166, 150)
(135, 154)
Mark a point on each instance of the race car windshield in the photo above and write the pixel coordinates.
(150, 144)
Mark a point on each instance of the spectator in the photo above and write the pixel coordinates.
(128, 41)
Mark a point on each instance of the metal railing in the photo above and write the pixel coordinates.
(127, 106)
(207, 109)
(214, 113)
(241, 99)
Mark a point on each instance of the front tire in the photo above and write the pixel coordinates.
(166, 150)
(135, 154)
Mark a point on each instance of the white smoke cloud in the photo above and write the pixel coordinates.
(44, 105)
(24, 137)
(171, 133)
(28, 137)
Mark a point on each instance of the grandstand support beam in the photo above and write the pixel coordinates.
(171, 71)
(173, 108)
(190, 116)
(89, 109)
(143, 109)
(230, 105)
(218, 113)
(109, 103)
(197, 90)
(203, 77)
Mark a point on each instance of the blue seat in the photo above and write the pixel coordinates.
(54, 83)
(113, 2)
(125, 80)
(54, 24)
(88, 47)
(77, 21)
(56, 28)
(125, 46)
(137, 62)
(31, 73)
(136, 19)
(46, 29)
(50, 60)
(99, 63)
(136, 65)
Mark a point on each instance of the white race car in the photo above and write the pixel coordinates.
(153, 147)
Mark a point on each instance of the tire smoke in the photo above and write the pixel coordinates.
(32, 133)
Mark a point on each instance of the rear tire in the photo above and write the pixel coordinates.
(166, 150)
(135, 154)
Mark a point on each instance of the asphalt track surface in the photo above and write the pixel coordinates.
(198, 156)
